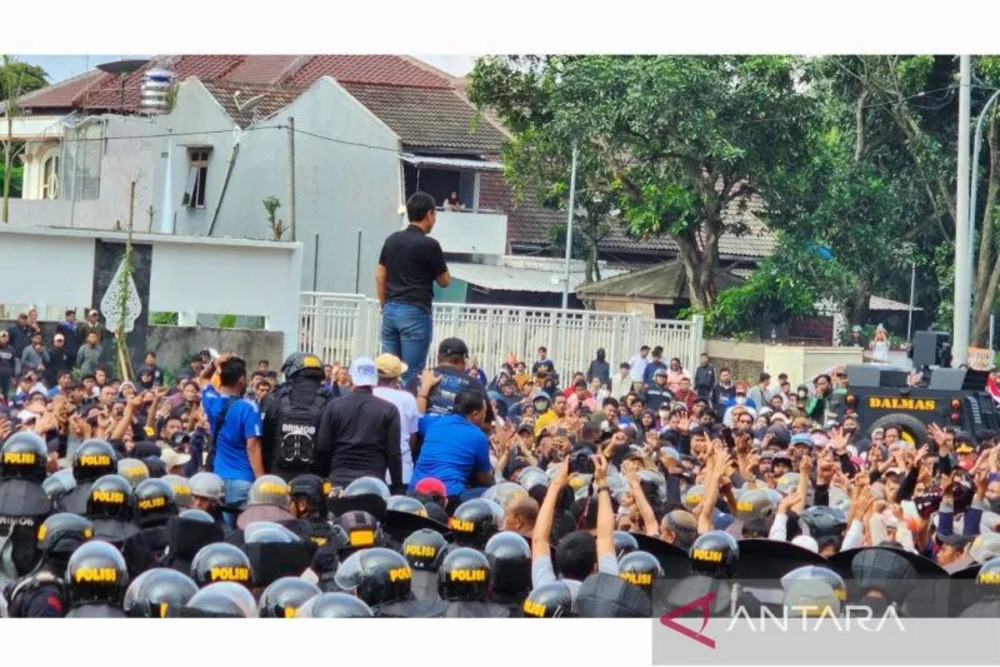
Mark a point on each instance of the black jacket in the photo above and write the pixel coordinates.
(704, 380)
(59, 360)
(8, 361)
(359, 437)
(20, 338)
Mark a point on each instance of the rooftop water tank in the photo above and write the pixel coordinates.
(155, 90)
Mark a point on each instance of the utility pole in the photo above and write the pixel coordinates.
(291, 178)
(963, 268)
(913, 298)
(569, 228)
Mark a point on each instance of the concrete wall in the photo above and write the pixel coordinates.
(748, 360)
(173, 345)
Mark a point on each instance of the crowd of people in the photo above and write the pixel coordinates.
(352, 491)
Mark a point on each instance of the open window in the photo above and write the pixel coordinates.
(197, 178)
(50, 177)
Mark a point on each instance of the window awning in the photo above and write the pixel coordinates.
(449, 162)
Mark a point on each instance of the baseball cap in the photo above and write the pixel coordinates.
(431, 486)
(452, 346)
(964, 447)
(802, 439)
(172, 458)
(390, 366)
(660, 371)
(526, 425)
(363, 372)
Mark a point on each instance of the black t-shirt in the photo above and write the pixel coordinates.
(413, 261)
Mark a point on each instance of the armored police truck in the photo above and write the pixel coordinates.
(955, 397)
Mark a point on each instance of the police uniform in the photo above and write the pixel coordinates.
(23, 502)
(291, 417)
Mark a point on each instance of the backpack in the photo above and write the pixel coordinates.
(297, 429)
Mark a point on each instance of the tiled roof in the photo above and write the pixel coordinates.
(429, 117)
(664, 280)
(275, 99)
(369, 69)
(267, 70)
(62, 94)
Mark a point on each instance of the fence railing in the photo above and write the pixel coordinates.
(339, 327)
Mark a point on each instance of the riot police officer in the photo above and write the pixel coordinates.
(642, 569)
(158, 593)
(423, 550)
(510, 559)
(715, 554)
(383, 579)
(335, 605)
(291, 417)
(92, 460)
(97, 579)
(153, 506)
(187, 533)
(275, 552)
(474, 523)
(43, 592)
(551, 600)
(23, 503)
(221, 562)
(223, 599)
(309, 507)
(268, 500)
(110, 508)
(464, 580)
(285, 596)
(208, 492)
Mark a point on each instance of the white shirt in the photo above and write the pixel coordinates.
(408, 423)
(621, 386)
(638, 367)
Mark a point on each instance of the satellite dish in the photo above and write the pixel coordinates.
(121, 67)
(249, 105)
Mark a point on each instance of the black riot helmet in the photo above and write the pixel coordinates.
(221, 562)
(988, 579)
(223, 599)
(335, 605)
(377, 576)
(551, 600)
(134, 470)
(312, 488)
(473, 523)
(424, 548)
(364, 486)
(640, 568)
(284, 597)
(62, 533)
(819, 573)
(510, 560)
(96, 573)
(464, 575)
(406, 504)
(275, 552)
(715, 554)
(302, 361)
(153, 503)
(158, 593)
(24, 456)
(94, 459)
(110, 498)
(823, 521)
(625, 543)
(58, 484)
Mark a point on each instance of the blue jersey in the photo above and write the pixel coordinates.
(242, 423)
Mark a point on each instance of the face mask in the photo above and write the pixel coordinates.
(994, 505)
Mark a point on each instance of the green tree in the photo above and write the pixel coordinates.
(678, 140)
(16, 79)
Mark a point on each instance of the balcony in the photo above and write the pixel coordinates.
(471, 232)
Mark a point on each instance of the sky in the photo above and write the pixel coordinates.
(60, 68)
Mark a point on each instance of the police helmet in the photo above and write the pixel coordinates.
(985, 547)
(62, 533)
(110, 498)
(154, 502)
(988, 579)
(464, 575)
(221, 562)
(134, 470)
(196, 515)
(157, 592)
(423, 549)
(360, 530)
(368, 486)
(59, 484)
(24, 456)
(504, 493)
(812, 597)
(714, 553)
(269, 490)
(268, 532)
(181, 489)
(377, 576)
(640, 568)
(551, 600)
(155, 466)
(300, 361)
(757, 504)
(284, 597)
(94, 459)
(510, 559)
(823, 521)
(473, 523)
(625, 543)
(335, 605)
(311, 487)
(208, 485)
(693, 497)
(406, 504)
(223, 598)
(96, 573)
(650, 480)
(788, 483)
(835, 581)
(531, 477)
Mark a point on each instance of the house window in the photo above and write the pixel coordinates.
(50, 178)
(194, 189)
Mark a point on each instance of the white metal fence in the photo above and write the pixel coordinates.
(338, 327)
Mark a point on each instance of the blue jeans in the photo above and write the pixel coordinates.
(237, 491)
(407, 331)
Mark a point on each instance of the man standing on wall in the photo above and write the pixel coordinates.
(410, 263)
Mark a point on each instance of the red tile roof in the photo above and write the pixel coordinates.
(275, 98)
(369, 69)
(267, 70)
(62, 95)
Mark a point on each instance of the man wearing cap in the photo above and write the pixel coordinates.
(59, 360)
(409, 265)
(92, 325)
(70, 328)
(359, 433)
(453, 355)
(657, 393)
(390, 369)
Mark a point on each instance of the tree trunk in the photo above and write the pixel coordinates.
(859, 122)
(983, 305)
(700, 263)
(857, 309)
(593, 263)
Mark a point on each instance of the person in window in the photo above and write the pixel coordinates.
(453, 203)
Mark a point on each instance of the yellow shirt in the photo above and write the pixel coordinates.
(545, 421)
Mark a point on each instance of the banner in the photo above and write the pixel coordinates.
(980, 359)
